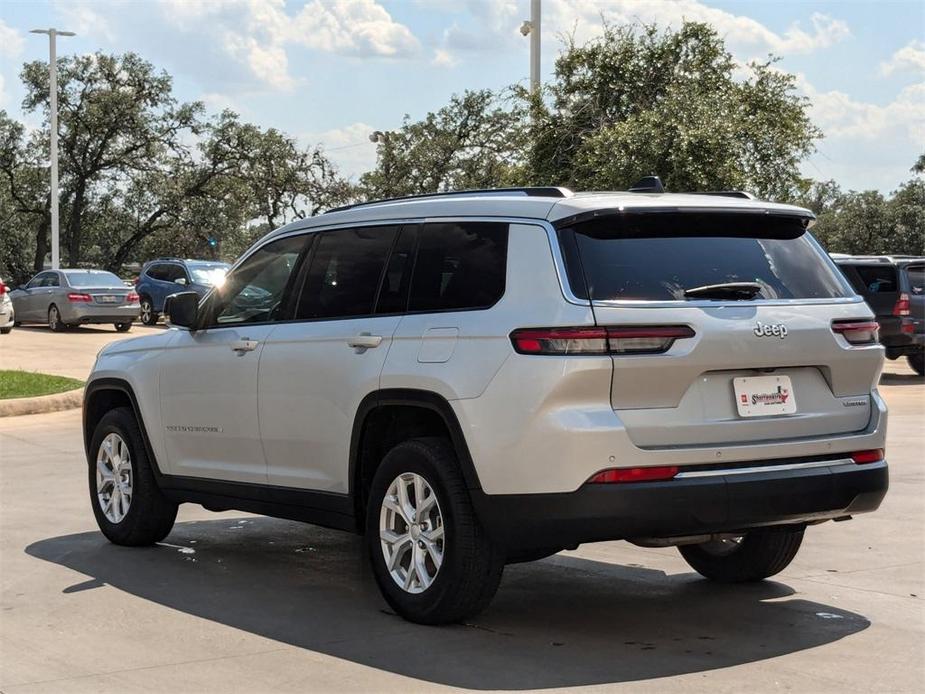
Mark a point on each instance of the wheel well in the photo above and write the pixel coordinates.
(100, 402)
(385, 427)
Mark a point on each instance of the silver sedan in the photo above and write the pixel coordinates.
(66, 298)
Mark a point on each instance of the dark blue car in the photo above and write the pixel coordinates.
(165, 276)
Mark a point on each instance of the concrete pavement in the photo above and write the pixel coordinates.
(232, 602)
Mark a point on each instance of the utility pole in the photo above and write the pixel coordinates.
(535, 34)
(53, 116)
(532, 28)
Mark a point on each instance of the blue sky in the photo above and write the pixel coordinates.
(331, 71)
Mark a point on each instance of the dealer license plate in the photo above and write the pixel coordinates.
(761, 396)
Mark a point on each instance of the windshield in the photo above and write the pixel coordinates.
(658, 256)
(211, 275)
(93, 279)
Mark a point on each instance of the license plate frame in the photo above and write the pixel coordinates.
(107, 299)
(764, 396)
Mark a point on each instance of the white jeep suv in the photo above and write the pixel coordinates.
(481, 378)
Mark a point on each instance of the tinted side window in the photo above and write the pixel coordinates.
(877, 279)
(916, 275)
(460, 265)
(173, 272)
(51, 280)
(393, 295)
(253, 293)
(36, 281)
(156, 272)
(344, 272)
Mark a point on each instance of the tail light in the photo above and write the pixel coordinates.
(901, 307)
(136, 281)
(3, 289)
(858, 332)
(131, 298)
(605, 340)
(872, 456)
(74, 297)
(634, 474)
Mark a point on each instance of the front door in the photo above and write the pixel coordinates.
(316, 369)
(208, 377)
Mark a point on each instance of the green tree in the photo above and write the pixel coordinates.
(117, 115)
(478, 140)
(640, 100)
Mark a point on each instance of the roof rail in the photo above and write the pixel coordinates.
(725, 193)
(530, 191)
(648, 184)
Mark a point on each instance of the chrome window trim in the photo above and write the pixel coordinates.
(721, 472)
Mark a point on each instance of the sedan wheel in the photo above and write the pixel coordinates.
(54, 319)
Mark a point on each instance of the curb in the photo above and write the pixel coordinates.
(41, 404)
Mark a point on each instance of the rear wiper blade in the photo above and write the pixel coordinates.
(727, 290)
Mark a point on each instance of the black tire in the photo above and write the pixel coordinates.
(123, 327)
(917, 362)
(54, 320)
(150, 514)
(148, 315)
(762, 553)
(471, 568)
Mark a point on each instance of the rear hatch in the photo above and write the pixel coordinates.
(753, 299)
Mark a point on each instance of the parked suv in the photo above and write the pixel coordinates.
(485, 378)
(894, 288)
(164, 276)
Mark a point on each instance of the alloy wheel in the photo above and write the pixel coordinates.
(114, 478)
(53, 318)
(146, 312)
(411, 532)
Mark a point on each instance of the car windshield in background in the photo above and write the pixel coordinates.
(211, 275)
(659, 256)
(93, 279)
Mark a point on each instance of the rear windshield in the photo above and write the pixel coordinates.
(93, 279)
(657, 256)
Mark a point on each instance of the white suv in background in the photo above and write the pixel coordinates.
(489, 377)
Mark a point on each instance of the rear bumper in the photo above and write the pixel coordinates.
(89, 313)
(682, 506)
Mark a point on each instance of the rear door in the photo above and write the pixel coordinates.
(760, 368)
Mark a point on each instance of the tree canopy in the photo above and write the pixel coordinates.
(142, 174)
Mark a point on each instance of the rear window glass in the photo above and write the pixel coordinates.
(657, 256)
(876, 279)
(93, 279)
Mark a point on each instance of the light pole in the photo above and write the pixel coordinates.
(532, 28)
(53, 113)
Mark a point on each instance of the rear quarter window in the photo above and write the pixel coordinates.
(916, 277)
(876, 279)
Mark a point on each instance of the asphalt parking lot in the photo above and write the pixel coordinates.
(232, 602)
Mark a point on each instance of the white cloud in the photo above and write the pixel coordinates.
(909, 58)
(497, 22)
(257, 33)
(84, 18)
(11, 41)
(443, 58)
(348, 147)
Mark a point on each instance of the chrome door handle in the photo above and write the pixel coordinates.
(245, 345)
(364, 341)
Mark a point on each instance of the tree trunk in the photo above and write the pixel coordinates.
(74, 224)
(41, 243)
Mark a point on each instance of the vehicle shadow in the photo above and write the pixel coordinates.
(560, 622)
(895, 379)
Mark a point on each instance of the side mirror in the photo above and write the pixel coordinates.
(181, 310)
(181, 281)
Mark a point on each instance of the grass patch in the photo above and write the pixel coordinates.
(28, 384)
